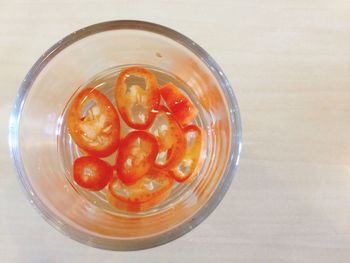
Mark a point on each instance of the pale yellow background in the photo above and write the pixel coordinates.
(289, 64)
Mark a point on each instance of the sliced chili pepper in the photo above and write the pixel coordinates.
(171, 139)
(93, 123)
(137, 101)
(146, 193)
(92, 173)
(180, 106)
(136, 156)
(188, 164)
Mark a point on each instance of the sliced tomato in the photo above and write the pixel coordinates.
(92, 173)
(93, 123)
(180, 106)
(188, 164)
(170, 137)
(146, 193)
(136, 156)
(137, 95)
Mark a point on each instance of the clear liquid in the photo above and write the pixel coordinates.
(68, 150)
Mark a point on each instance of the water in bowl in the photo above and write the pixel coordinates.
(105, 83)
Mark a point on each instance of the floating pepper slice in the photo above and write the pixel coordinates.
(189, 162)
(136, 156)
(180, 106)
(136, 102)
(170, 137)
(146, 193)
(92, 173)
(93, 123)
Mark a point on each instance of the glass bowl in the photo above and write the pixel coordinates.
(36, 130)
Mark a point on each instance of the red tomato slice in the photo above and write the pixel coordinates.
(136, 156)
(92, 173)
(171, 139)
(93, 123)
(136, 101)
(180, 106)
(146, 193)
(188, 164)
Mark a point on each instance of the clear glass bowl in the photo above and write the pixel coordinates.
(36, 129)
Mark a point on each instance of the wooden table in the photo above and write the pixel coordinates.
(289, 64)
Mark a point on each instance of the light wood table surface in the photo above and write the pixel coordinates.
(289, 64)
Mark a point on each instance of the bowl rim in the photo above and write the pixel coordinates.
(146, 242)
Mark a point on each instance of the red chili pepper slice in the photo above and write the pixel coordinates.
(180, 106)
(171, 139)
(146, 193)
(137, 101)
(188, 164)
(92, 173)
(93, 123)
(136, 156)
